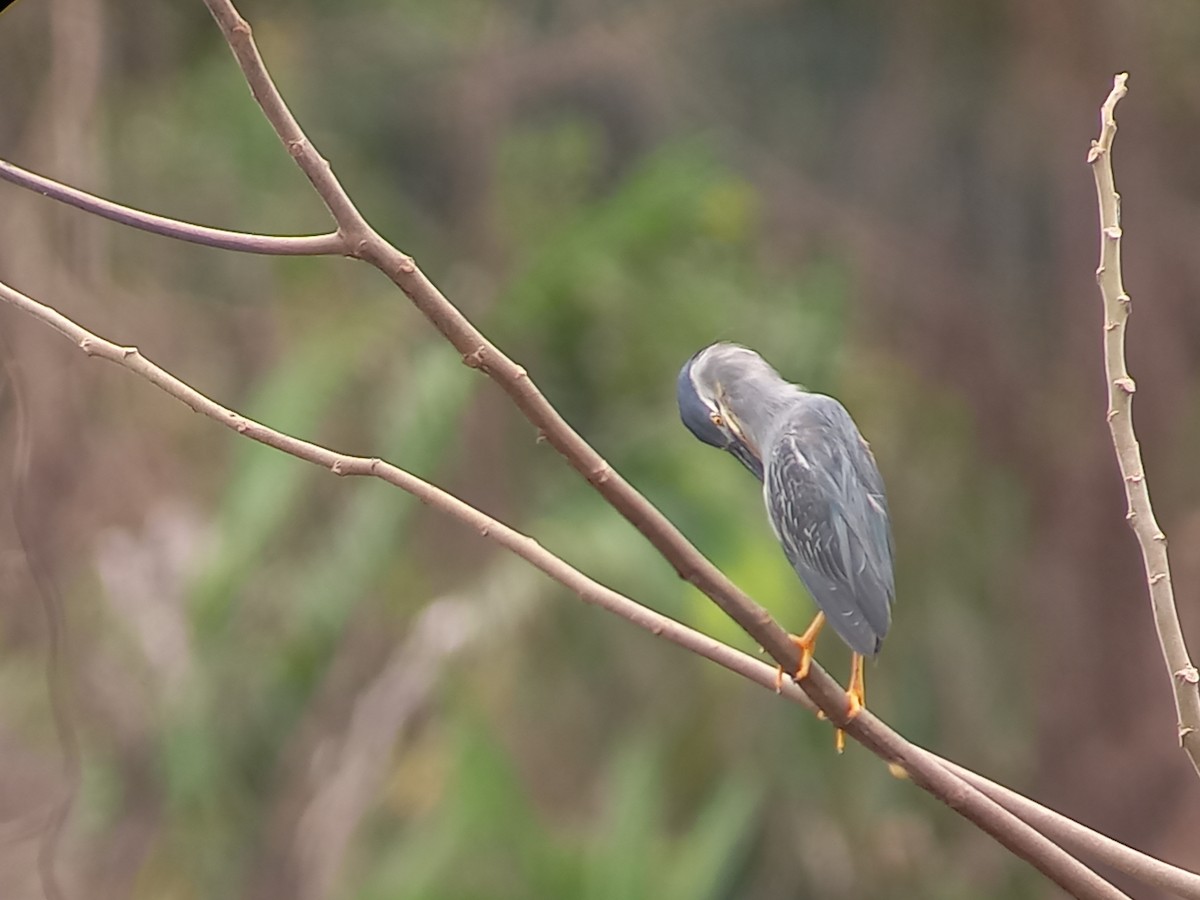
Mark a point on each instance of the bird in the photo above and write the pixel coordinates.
(823, 492)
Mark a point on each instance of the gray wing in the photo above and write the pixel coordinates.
(825, 499)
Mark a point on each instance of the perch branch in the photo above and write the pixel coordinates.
(269, 245)
(1184, 678)
(924, 769)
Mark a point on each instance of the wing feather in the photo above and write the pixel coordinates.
(825, 500)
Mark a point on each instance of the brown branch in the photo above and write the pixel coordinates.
(1185, 680)
(268, 245)
(926, 770)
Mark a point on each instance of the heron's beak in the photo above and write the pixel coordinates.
(747, 457)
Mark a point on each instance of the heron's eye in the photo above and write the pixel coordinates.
(716, 419)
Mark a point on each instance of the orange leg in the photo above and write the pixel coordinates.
(856, 695)
(806, 643)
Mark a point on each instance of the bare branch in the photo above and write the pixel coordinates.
(924, 769)
(267, 245)
(1185, 680)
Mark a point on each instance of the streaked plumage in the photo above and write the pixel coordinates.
(823, 491)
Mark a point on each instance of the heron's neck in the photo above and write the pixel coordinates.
(758, 402)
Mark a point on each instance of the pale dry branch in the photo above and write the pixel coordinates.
(346, 771)
(1185, 680)
(924, 769)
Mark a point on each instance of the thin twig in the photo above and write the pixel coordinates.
(1185, 680)
(924, 769)
(268, 245)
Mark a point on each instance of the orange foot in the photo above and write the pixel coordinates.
(856, 697)
(806, 644)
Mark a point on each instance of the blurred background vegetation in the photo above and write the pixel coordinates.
(289, 685)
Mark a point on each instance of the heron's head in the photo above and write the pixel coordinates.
(717, 390)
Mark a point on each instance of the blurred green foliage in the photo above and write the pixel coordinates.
(628, 853)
